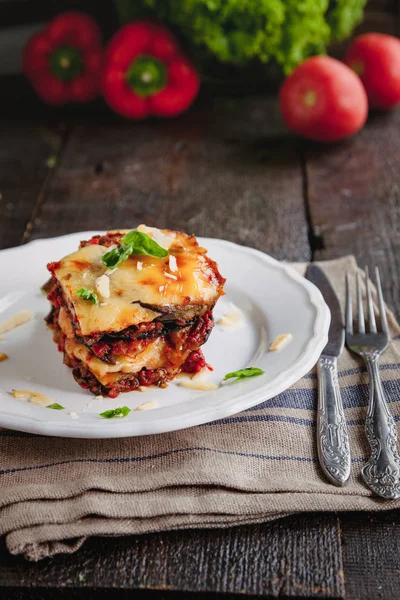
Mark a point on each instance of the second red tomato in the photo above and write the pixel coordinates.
(323, 100)
(375, 57)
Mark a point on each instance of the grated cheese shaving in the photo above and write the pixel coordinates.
(196, 385)
(3, 356)
(170, 276)
(161, 288)
(147, 405)
(165, 241)
(39, 399)
(233, 319)
(173, 266)
(139, 265)
(19, 319)
(22, 394)
(280, 342)
(103, 286)
(143, 388)
(32, 396)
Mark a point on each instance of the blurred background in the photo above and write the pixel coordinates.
(227, 39)
(228, 141)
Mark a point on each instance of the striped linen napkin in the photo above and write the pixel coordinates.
(56, 492)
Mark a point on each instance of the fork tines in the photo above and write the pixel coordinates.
(370, 306)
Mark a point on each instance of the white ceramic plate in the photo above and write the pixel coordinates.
(273, 298)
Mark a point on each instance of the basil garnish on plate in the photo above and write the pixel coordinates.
(55, 406)
(116, 412)
(87, 295)
(134, 242)
(243, 373)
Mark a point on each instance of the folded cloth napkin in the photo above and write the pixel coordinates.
(56, 492)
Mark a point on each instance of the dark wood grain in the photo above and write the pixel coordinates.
(222, 170)
(225, 169)
(371, 550)
(354, 201)
(24, 152)
(294, 558)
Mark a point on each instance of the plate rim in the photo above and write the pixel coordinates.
(280, 383)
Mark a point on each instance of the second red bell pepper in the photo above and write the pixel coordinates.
(64, 60)
(145, 73)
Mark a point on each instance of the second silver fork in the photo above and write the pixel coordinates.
(382, 471)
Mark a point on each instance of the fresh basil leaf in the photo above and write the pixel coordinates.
(116, 256)
(87, 295)
(133, 242)
(242, 373)
(55, 406)
(116, 412)
(143, 244)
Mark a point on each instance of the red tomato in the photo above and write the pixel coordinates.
(323, 100)
(375, 57)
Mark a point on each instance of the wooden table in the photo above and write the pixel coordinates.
(225, 169)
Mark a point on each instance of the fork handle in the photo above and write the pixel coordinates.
(332, 437)
(382, 472)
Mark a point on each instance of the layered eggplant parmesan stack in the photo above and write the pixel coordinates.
(133, 308)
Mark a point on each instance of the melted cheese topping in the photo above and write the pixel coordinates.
(131, 288)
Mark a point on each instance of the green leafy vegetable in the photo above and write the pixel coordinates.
(87, 295)
(242, 373)
(116, 412)
(55, 406)
(239, 31)
(134, 242)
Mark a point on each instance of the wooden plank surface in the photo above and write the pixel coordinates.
(165, 172)
(371, 550)
(354, 208)
(354, 200)
(224, 170)
(296, 557)
(219, 171)
(25, 151)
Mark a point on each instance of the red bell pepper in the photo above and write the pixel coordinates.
(63, 61)
(145, 73)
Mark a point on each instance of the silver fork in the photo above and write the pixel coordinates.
(382, 471)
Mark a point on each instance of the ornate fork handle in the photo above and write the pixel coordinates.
(332, 436)
(382, 471)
